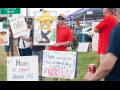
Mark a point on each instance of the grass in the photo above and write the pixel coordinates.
(84, 59)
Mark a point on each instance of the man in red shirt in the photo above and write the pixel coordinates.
(104, 28)
(64, 38)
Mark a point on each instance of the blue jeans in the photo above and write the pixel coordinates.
(25, 52)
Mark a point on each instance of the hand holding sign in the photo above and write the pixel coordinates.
(18, 25)
(22, 38)
(57, 44)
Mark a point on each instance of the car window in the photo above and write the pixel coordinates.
(87, 29)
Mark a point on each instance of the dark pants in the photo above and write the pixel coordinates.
(25, 52)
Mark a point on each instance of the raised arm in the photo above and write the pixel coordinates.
(26, 39)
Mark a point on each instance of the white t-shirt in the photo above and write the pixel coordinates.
(27, 44)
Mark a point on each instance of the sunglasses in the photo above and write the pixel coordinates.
(29, 23)
(61, 18)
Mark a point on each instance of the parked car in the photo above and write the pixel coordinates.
(86, 33)
(87, 30)
(85, 25)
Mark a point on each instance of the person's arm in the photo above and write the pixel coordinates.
(104, 69)
(96, 30)
(101, 25)
(67, 43)
(74, 30)
(92, 35)
(46, 47)
(31, 45)
(26, 39)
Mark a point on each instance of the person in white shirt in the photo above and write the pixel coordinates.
(24, 46)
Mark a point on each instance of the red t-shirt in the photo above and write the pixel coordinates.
(106, 25)
(63, 34)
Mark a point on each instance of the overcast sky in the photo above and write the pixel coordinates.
(59, 10)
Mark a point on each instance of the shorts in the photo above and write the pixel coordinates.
(8, 48)
(102, 57)
(39, 53)
(25, 52)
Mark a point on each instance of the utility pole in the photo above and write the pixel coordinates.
(26, 15)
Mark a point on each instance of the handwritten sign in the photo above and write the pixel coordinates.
(95, 37)
(45, 24)
(4, 37)
(58, 64)
(22, 68)
(18, 25)
(83, 47)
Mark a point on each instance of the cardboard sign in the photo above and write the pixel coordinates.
(45, 28)
(83, 47)
(95, 37)
(58, 64)
(4, 37)
(18, 25)
(22, 68)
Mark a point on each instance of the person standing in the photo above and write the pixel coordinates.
(8, 48)
(36, 50)
(110, 66)
(24, 46)
(64, 38)
(77, 30)
(104, 28)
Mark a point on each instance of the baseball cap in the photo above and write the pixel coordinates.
(61, 15)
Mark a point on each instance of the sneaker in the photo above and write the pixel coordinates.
(41, 78)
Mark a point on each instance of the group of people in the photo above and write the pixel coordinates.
(108, 47)
(26, 47)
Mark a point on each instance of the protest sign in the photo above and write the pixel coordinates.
(18, 25)
(4, 37)
(95, 37)
(59, 64)
(22, 68)
(83, 47)
(45, 28)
